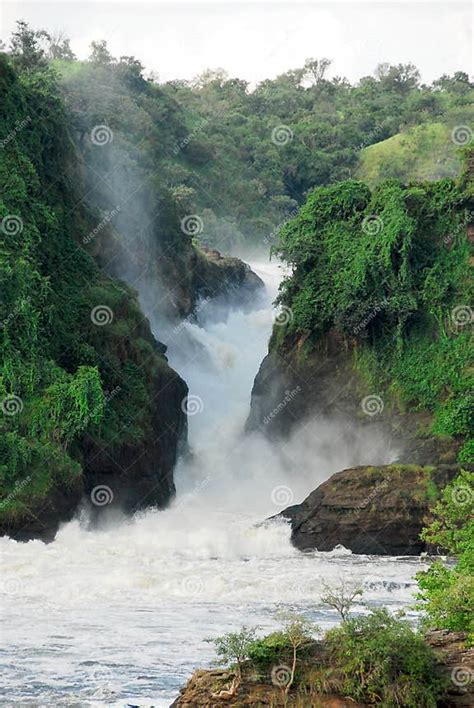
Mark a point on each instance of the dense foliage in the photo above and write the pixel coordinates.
(241, 158)
(380, 660)
(62, 373)
(447, 593)
(100, 165)
(375, 659)
(390, 269)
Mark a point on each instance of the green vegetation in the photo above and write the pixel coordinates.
(376, 659)
(100, 165)
(423, 152)
(380, 660)
(447, 593)
(234, 647)
(242, 160)
(65, 373)
(390, 269)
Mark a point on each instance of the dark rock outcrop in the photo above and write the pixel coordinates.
(41, 518)
(211, 689)
(370, 510)
(207, 274)
(126, 472)
(141, 475)
(325, 382)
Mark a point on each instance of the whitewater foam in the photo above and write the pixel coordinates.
(120, 613)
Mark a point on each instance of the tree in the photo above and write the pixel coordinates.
(100, 54)
(209, 77)
(27, 46)
(401, 78)
(342, 598)
(316, 69)
(60, 47)
(299, 631)
(234, 647)
(447, 593)
(380, 660)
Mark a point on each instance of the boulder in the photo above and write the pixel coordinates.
(369, 510)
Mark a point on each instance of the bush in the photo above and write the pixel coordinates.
(389, 268)
(270, 649)
(447, 594)
(381, 660)
(234, 647)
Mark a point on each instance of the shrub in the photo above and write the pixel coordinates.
(447, 594)
(234, 647)
(269, 650)
(381, 660)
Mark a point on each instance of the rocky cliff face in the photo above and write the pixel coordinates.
(328, 384)
(205, 274)
(126, 463)
(371, 510)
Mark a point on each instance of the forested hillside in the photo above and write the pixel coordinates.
(241, 157)
(390, 271)
(77, 354)
(106, 173)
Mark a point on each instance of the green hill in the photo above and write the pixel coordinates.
(424, 152)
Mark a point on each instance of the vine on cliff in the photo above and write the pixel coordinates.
(390, 269)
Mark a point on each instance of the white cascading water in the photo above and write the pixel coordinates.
(118, 616)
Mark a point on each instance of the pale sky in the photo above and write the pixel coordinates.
(259, 40)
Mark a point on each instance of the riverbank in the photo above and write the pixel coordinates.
(318, 676)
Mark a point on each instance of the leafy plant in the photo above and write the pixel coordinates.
(390, 270)
(234, 647)
(380, 660)
(341, 598)
(447, 593)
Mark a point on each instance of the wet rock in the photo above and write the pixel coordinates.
(369, 510)
(300, 378)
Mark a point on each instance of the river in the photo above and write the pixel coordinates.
(118, 616)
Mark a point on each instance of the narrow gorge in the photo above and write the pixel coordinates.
(236, 384)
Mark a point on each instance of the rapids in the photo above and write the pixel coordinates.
(117, 615)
